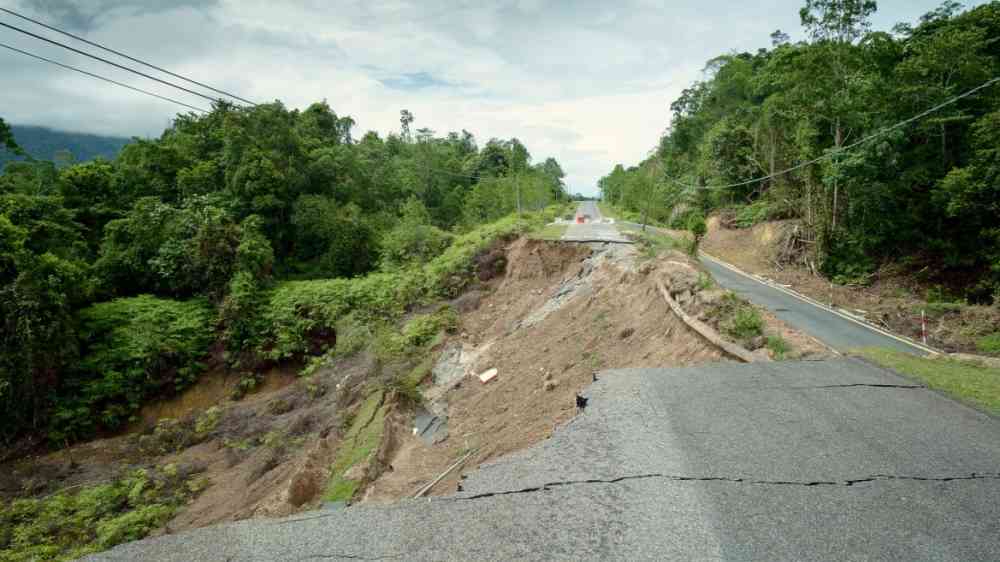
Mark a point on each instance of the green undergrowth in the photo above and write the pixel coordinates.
(73, 523)
(550, 232)
(969, 382)
(619, 214)
(778, 347)
(299, 310)
(652, 244)
(134, 349)
(989, 344)
(363, 437)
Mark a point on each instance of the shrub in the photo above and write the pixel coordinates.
(989, 344)
(409, 243)
(422, 329)
(134, 348)
(696, 224)
(745, 323)
(66, 526)
(413, 240)
(207, 422)
(778, 346)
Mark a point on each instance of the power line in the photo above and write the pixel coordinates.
(123, 55)
(91, 74)
(844, 148)
(106, 61)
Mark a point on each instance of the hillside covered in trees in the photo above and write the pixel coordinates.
(243, 236)
(869, 184)
(61, 147)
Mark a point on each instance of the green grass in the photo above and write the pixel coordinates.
(361, 440)
(549, 232)
(745, 323)
(989, 344)
(607, 210)
(969, 382)
(778, 346)
(652, 244)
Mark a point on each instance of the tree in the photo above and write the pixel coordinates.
(839, 21)
(405, 119)
(7, 139)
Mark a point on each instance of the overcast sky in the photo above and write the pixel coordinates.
(589, 82)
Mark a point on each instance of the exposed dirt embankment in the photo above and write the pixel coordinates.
(268, 454)
(892, 298)
(559, 314)
(545, 315)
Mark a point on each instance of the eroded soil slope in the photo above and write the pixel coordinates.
(560, 313)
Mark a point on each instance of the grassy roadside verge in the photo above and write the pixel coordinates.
(607, 210)
(549, 232)
(971, 383)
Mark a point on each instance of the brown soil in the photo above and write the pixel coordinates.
(892, 299)
(268, 454)
(621, 321)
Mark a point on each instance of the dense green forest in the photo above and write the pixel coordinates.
(251, 231)
(925, 195)
(61, 147)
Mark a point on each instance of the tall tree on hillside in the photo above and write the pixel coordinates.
(834, 26)
(7, 139)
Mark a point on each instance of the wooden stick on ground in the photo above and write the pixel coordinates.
(706, 331)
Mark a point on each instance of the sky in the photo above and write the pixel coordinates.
(587, 82)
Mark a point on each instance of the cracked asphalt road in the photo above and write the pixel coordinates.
(826, 460)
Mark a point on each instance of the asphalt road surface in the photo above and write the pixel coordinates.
(594, 229)
(835, 331)
(831, 460)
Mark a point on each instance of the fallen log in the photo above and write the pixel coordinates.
(707, 332)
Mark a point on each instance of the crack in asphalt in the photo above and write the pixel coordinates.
(862, 384)
(352, 556)
(732, 480)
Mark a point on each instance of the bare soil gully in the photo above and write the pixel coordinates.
(548, 321)
(559, 314)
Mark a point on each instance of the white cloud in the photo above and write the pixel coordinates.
(589, 82)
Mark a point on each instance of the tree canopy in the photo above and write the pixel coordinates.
(922, 194)
(110, 269)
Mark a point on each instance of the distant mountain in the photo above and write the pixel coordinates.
(46, 144)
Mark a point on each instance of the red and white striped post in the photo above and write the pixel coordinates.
(923, 325)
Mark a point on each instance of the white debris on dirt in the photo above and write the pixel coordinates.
(488, 375)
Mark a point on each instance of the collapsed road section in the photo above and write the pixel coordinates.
(717, 462)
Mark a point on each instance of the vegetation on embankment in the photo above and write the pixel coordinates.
(973, 383)
(73, 523)
(737, 319)
(265, 225)
(923, 195)
(384, 333)
(550, 232)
